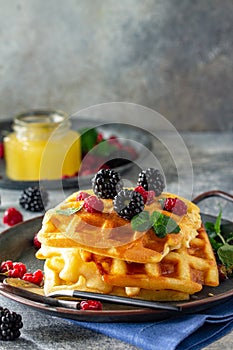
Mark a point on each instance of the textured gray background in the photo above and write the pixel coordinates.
(174, 56)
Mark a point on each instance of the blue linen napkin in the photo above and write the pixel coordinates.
(186, 332)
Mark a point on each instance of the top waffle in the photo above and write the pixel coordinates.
(107, 234)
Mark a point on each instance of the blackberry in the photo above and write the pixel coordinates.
(151, 180)
(128, 203)
(10, 324)
(34, 199)
(107, 183)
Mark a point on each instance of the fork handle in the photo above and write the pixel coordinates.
(126, 300)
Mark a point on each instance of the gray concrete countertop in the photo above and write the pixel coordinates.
(211, 155)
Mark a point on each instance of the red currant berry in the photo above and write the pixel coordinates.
(175, 206)
(150, 197)
(82, 195)
(28, 276)
(12, 217)
(36, 242)
(90, 305)
(92, 204)
(142, 191)
(6, 266)
(115, 142)
(20, 267)
(15, 273)
(100, 138)
(36, 277)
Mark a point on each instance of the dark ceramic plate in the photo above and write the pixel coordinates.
(129, 135)
(22, 249)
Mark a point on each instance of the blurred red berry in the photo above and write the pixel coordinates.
(115, 142)
(69, 176)
(150, 197)
(36, 242)
(1, 150)
(12, 217)
(92, 204)
(100, 138)
(82, 195)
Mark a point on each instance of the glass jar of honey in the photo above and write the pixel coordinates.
(42, 146)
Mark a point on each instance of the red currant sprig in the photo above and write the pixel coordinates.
(19, 270)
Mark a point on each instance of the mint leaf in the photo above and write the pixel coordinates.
(225, 254)
(69, 211)
(163, 224)
(209, 226)
(214, 229)
(155, 216)
(214, 243)
(88, 139)
(172, 226)
(220, 244)
(160, 230)
(229, 237)
(217, 225)
(141, 222)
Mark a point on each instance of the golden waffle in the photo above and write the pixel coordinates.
(180, 273)
(107, 234)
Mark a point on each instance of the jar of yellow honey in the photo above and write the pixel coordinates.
(42, 146)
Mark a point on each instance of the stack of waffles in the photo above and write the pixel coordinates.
(101, 252)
